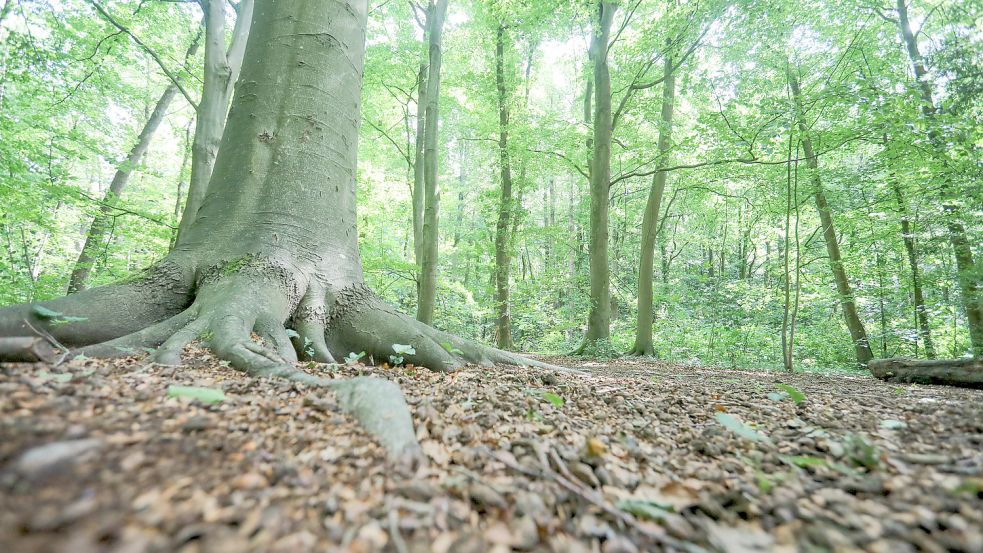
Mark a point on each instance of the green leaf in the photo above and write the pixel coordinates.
(645, 508)
(44, 313)
(57, 377)
(737, 427)
(797, 396)
(204, 395)
(450, 348)
(404, 349)
(556, 400)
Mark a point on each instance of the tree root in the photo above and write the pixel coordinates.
(366, 323)
(229, 308)
(647, 351)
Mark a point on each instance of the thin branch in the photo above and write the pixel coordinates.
(147, 49)
(386, 135)
(727, 161)
(563, 157)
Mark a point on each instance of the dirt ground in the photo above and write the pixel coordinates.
(635, 456)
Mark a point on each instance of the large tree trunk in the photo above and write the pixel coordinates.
(857, 332)
(599, 317)
(969, 283)
(431, 153)
(95, 238)
(907, 235)
(221, 72)
(275, 242)
(503, 243)
(650, 221)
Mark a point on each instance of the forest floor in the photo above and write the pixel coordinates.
(636, 456)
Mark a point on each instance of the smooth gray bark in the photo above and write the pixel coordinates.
(222, 66)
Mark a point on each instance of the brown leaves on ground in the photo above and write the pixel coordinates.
(97, 456)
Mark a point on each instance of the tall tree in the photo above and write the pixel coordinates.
(503, 257)
(969, 280)
(427, 297)
(908, 237)
(847, 300)
(599, 317)
(650, 219)
(95, 238)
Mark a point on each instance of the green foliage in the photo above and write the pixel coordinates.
(74, 95)
(796, 396)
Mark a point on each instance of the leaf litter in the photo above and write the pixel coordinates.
(636, 456)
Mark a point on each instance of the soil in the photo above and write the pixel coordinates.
(635, 456)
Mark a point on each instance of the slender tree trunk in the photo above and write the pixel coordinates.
(921, 311)
(431, 153)
(650, 221)
(857, 332)
(969, 283)
(503, 260)
(179, 195)
(599, 318)
(418, 189)
(221, 72)
(96, 236)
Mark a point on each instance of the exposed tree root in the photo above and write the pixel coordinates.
(236, 300)
(646, 351)
(363, 322)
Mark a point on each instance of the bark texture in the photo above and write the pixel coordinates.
(427, 297)
(858, 333)
(599, 317)
(967, 373)
(969, 284)
(503, 242)
(650, 221)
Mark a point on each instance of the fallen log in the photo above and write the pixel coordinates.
(26, 349)
(967, 373)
